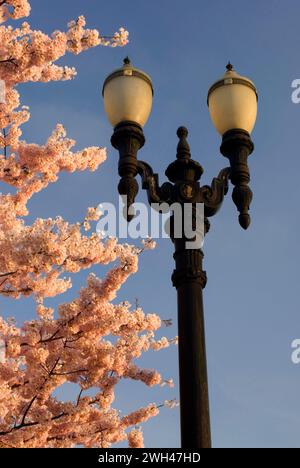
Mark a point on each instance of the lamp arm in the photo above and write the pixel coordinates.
(213, 196)
(150, 183)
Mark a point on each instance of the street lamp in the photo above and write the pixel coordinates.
(232, 103)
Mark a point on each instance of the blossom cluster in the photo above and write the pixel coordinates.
(94, 344)
(90, 341)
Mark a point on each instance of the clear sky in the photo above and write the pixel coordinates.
(252, 298)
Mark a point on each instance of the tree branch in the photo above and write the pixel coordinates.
(9, 60)
(5, 145)
(8, 274)
(71, 372)
(27, 410)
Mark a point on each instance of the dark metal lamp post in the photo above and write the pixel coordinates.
(232, 102)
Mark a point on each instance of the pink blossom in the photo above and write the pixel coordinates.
(73, 342)
(149, 244)
(135, 439)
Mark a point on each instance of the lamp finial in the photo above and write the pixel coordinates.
(229, 66)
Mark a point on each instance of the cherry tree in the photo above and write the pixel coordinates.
(91, 341)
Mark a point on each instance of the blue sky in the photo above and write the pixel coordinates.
(252, 297)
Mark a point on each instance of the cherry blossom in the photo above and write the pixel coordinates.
(90, 341)
(135, 439)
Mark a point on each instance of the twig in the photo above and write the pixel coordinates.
(10, 60)
(5, 145)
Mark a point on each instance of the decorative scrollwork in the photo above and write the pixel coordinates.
(213, 196)
(150, 183)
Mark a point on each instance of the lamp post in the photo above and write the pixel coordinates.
(232, 103)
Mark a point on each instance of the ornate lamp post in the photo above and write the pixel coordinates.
(232, 103)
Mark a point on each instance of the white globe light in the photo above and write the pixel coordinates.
(128, 94)
(232, 102)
